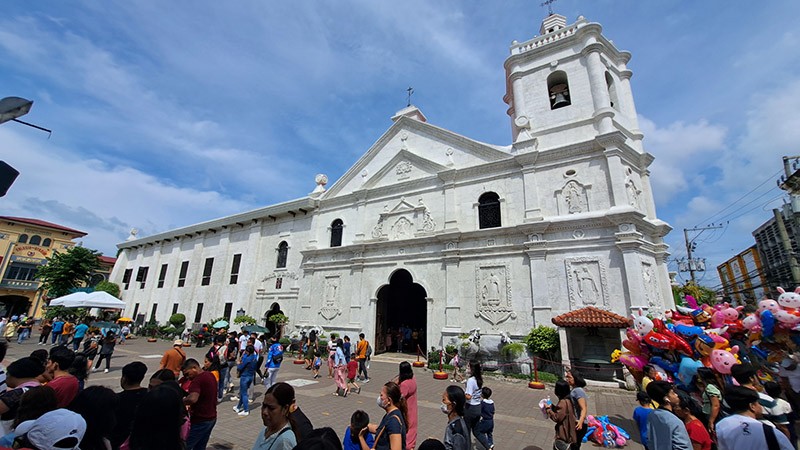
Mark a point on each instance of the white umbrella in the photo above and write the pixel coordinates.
(60, 301)
(97, 299)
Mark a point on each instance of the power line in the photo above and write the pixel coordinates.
(770, 178)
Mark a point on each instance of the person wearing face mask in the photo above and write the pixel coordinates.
(391, 432)
(275, 413)
(456, 435)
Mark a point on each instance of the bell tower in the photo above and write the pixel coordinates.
(568, 85)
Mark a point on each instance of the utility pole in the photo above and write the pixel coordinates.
(692, 266)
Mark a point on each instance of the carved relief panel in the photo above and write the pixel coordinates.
(633, 192)
(587, 282)
(651, 293)
(330, 301)
(493, 294)
(404, 221)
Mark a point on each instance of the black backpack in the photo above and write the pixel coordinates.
(277, 358)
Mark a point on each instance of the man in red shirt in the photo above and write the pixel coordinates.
(64, 383)
(202, 402)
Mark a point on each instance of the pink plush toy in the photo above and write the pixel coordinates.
(787, 319)
(723, 360)
(725, 315)
(768, 304)
(752, 323)
(789, 299)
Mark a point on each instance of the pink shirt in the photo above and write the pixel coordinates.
(66, 388)
(408, 389)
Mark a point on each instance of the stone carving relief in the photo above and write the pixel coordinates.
(651, 293)
(407, 221)
(634, 193)
(493, 289)
(587, 282)
(329, 308)
(403, 168)
(573, 198)
(292, 275)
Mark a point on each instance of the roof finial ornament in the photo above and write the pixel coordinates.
(410, 91)
(549, 4)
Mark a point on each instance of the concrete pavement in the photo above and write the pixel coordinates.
(518, 422)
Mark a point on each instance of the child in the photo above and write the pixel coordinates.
(456, 362)
(317, 363)
(640, 415)
(563, 414)
(358, 421)
(352, 370)
(485, 427)
(779, 412)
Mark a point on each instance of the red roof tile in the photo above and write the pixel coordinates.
(589, 317)
(107, 260)
(42, 223)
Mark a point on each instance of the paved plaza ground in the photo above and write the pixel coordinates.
(518, 423)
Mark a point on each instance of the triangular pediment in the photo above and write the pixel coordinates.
(411, 150)
(404, 166)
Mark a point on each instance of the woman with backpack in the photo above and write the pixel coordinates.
(563, 414)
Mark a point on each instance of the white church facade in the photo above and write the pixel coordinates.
(441, 233)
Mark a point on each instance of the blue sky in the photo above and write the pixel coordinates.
(170, 113)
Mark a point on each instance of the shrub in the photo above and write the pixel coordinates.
(177, 320)
(547, 377)
(245, 320)
(107, 286)
(543, 341)
(512, 351)
(278, 319)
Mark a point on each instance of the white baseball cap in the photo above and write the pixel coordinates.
(56, 430)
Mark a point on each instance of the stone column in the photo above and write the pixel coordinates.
(452, 309)
(540, 299)
(597, 83)
(563, 339)
(533, 208)
(450, 200)
(647, 195)
(628, 242)
(616, 176)
(625, 95)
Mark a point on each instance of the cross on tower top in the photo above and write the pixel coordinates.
(410, 91)
(549, 4)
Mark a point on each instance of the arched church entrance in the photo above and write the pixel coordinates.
(272, 327)
(401, 311)
(11, 305)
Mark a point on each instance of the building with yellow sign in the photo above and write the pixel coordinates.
(25, 245)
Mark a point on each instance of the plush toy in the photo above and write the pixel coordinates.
(723, 360)
(789, 299)
(642, 324)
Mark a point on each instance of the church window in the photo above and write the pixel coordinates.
(283, 252)
(209, 266)
(46, 242)
(126, 278)
(162, 276)
(558, 90)
(36, 240)
(489, 210)
(182, 274)
(612, 91)
(237, 261)
(336, 233)
(23, 239)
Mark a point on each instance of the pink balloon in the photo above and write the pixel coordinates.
(723, 360)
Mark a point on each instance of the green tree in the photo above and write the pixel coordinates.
(107, 286)
(68, 270)
(543, 341)
(245, 319)
(702, 294)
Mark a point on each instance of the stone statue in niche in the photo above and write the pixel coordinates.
(377, 231)
(331, 289)
(491, 291)
(575, 196)
(427, 222)
(329, 310)
(587, 282)
(402, 229)
(633, 191)
(650, 290)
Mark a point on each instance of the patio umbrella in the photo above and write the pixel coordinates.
(220, 324)
(124, 319)
(254, 329)
(68, 298)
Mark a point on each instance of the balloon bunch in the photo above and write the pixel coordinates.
(603, 432)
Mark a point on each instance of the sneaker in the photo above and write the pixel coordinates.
(366, 381)
(236, 409)
(105, 371)
(244, 413)
(94, 369)
(235, 398)
(358, 391)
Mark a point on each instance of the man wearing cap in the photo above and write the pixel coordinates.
(56, 430)
(174, 358)
(202, 402)
(741, 430)
(20, 376)
(665, 431)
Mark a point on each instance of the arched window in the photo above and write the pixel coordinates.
(489, 210)
(36, 240)
(558, 90)
(23, 239)
(283, 252)
(612, 91)
(46, 242)
(336, 233)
